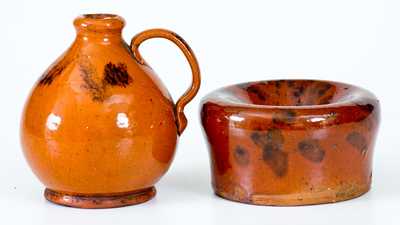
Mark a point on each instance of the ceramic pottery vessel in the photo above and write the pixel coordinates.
(290, 142)
(99, 129)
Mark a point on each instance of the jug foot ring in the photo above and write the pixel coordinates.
(99, 201)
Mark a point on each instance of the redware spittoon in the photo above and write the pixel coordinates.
(290, 142)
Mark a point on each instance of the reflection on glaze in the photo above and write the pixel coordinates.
(53, 122)
(122, 120)
(236, 118)
(316, 119)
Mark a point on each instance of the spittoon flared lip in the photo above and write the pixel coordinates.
(358, 95)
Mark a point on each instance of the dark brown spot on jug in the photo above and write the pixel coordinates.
(311, 150)
(358, 141)
(271, 143)
(49, 76)
(241, 156)
(116, 75)
(88, 75)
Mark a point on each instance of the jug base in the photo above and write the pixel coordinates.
(100, 201)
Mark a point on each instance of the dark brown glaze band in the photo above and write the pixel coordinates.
(290, 142)
(100, 201)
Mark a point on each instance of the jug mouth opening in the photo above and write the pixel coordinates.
(100, 16)
(99, 22)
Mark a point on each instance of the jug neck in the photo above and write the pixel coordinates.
(99, 27)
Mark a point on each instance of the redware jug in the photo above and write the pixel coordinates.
(99, 129)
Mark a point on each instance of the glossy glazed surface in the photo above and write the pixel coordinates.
(290, 142)
(99, 121)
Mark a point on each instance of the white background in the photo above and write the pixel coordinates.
(353, 41)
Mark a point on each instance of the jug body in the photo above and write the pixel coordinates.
(99, 127)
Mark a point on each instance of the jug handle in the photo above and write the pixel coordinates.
(189, 94)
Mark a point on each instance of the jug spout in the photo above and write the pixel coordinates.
(106, 24)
